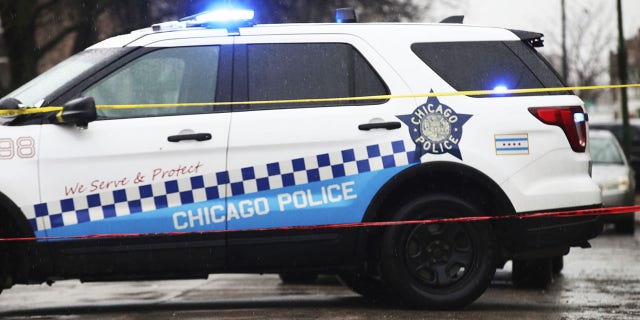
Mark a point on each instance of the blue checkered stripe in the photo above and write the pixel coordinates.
(172, 193)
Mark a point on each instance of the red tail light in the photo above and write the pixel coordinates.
(572, 120)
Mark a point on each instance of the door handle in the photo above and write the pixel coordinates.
(392, 125)
(190, 136)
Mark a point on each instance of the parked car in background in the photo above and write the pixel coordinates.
(616, 129)
(616, 178)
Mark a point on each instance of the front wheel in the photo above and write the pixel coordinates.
(439, 265)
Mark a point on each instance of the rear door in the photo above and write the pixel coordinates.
(308, 162)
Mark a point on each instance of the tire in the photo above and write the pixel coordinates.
(4, 264)
(370, 288)
(532, 274)
(298, 277)
(557, 264)
(442, 265)
(627, 224)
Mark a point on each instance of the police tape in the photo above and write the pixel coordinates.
(30, 110)
(377, 224)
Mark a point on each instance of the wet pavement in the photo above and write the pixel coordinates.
(598, 283)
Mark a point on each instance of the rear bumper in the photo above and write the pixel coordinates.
(572, 232)
(548, 236)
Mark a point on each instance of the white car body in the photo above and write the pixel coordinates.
(122, 176)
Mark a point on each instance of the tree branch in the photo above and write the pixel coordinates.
(42, 7)
(55, 40)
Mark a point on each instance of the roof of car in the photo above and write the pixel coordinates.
(412, 31)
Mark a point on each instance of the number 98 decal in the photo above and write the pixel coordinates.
(23, 147)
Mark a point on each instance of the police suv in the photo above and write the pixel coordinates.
(197, 147)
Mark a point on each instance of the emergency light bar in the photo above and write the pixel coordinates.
(227, 18)
(221, 16)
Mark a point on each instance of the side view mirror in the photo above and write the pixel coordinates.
(79, 112)
(9, 104)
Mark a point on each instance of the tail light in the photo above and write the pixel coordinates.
(572, 120)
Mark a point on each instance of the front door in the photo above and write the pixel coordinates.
(151, 165)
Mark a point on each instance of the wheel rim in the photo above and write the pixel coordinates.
(439, 255)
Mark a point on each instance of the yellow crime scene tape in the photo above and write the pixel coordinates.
(29, 111)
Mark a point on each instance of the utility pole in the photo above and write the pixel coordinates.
(565, 64)
(622, 74)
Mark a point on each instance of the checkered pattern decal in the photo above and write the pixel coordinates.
(299, 171)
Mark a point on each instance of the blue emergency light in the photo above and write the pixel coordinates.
(222, 16)
(500, 89)
(227, 18)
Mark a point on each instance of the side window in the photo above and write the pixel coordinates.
(168, 76)
(288, 71)
(485, 65)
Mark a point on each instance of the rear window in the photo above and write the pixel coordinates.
(604, 151)
(616, 129)
(487, 65)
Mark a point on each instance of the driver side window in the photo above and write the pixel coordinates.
(159, 83)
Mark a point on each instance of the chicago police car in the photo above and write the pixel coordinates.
(192, 147)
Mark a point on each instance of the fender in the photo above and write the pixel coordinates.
(12, 216)
(444, 177)
(441, 177)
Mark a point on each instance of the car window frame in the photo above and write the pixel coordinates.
(520, 53)
(223, 87)
(241, 79)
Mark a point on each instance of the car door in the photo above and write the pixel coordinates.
(153, 164)
(311, 162)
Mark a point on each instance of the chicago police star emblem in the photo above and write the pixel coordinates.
(435, 128)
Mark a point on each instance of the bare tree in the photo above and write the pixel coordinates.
(40, 33)
(588, 40)
(24, 47)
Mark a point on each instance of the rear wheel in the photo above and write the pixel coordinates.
(371, 288)
(439, 265)
(626, 224)
(535, 274)
(557, 264)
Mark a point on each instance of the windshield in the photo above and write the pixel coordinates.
(34, 92)
(605, 151)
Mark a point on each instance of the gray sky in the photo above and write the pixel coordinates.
(595, 20)
(545, 16)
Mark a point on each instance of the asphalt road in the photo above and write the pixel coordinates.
(602, 282)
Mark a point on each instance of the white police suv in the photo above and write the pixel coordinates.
(194, 147)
